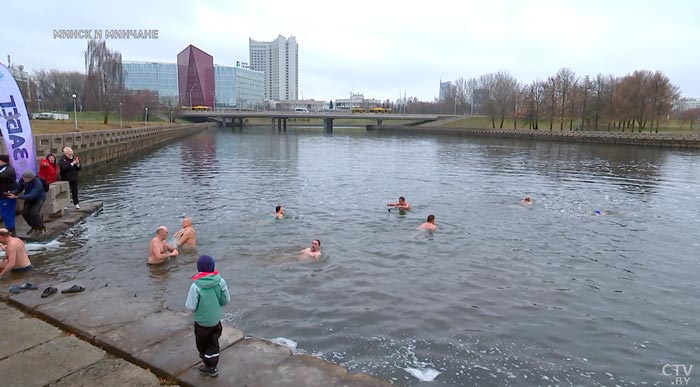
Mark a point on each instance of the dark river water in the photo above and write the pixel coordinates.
(501, 294)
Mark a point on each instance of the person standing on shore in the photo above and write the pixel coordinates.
(70, 167)
(34, 197)
(8, 183)
(208, 293)
(48, 170)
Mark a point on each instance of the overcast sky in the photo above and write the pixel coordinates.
(380, 48)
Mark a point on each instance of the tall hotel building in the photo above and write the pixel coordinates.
(279, 60)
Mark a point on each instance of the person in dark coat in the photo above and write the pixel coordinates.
(69, 166)
(8, 183)
(34, 197)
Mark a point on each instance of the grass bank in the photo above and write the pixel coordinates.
(89, 121)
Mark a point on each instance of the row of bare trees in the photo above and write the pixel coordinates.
(639, 100)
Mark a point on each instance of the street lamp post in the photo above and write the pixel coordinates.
(120, 116)
(191, 88)
(75, 111)
(146, 116)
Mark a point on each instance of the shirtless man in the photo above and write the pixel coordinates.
(313, 252)
(186, 235)
(158, 249)
(279, 212)
(16, 258)
(401, 205)
(429, 224)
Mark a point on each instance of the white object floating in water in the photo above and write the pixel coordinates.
(291, 344)
(423, 374)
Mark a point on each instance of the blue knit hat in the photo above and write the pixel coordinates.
(205, 264)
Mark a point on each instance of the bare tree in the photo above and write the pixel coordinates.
(584, 93)
(503, 95)
(612, 85)
(663, 95)
(104, 75)
(533, 102)
(565, 78)
(572, 102)
(690, 115)
(551, 91)
(54, 88)
(599, 90)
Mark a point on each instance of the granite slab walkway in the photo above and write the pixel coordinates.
(35, 352)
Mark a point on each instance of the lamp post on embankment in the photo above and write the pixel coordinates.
(75, 111)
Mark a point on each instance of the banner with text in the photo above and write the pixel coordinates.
(14, 124)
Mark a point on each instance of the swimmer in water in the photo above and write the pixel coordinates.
(313, 252)
(279, 212)
(186, 236)
(402, 204)
(429, 224)
(599, 212)
(526, 201)
(158, 249)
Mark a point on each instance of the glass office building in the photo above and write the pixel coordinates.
(152, 76)
(239, 87)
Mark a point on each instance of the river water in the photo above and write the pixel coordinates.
(501, 294)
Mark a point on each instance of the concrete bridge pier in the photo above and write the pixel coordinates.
(328, 125)
(237, 122)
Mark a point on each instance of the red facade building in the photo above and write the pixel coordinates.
(195, 77)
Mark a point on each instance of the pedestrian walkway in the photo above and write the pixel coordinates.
(35, 353)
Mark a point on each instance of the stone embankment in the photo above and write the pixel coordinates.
(102, 146)
(678, 140)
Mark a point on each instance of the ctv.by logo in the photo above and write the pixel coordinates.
(680, 372)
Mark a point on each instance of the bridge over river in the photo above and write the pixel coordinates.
(238, 117)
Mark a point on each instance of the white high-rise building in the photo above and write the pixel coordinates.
(279, 60)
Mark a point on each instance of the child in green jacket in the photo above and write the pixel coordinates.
(206, 296)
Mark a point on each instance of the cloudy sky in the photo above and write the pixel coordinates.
(380, 48)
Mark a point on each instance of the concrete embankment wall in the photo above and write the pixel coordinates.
(102, 146)
(678, 140)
